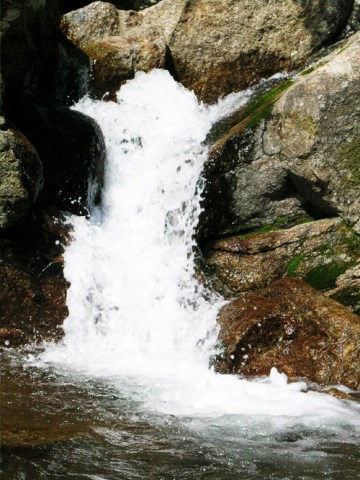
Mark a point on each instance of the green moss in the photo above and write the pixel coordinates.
(350, 297)
(257, 231)
(288, 221)
(251, 114)
(312, 69)
(352, 240)
(293, 265)
(350, 156)
(324, 276)
(307, 71)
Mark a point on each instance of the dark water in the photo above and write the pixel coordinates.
(57, 425)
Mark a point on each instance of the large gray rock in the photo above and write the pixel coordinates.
(293, 151)
(314, 131)
(220, 46)
(213, 47)
(21, 177)
(120, 43)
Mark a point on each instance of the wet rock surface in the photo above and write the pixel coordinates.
(318, 252)
(33, 293)
(291, 327)
(72, 151)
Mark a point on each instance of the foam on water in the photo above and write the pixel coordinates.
(137, 314)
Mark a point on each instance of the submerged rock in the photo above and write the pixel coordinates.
(294, 328)
(21, 177)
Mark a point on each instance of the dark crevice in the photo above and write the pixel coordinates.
(169, 64)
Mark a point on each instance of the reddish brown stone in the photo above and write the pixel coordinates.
(294, 328)
(33, 287)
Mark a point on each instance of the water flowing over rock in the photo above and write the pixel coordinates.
(120, 43)
(213, 47)
(294, 328)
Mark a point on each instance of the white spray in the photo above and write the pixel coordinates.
(136, 309)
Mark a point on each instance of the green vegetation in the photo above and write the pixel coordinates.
(350, 297)
(250, 115)
(293, 265)
(350, 154)
(312, 69)
(324, 276)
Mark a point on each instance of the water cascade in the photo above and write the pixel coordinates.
(137, 314)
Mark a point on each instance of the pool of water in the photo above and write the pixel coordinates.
(57, 424)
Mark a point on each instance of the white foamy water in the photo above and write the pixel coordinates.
(137, 314)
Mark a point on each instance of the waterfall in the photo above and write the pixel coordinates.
(137, 313)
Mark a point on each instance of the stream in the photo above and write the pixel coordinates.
(128, 393)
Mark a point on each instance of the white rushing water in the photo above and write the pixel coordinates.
(137, 314)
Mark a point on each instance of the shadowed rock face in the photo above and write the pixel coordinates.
(48, 153)
(291, 327)
(213, 47)
(21, 176)
(71, 148)
(33, 288)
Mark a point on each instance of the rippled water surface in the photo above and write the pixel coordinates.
(58, 425)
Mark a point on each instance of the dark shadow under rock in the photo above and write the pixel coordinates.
(71, 148)
(33, 287)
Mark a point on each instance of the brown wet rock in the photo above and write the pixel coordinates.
(33, 294)
(347, 289)
(294, 328)
(316, 251)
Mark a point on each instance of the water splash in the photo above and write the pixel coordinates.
(137, 313)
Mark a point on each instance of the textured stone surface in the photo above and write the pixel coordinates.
(291, 327)
(318, 252)
(322, 152)
(120, 43)
(213, 47)
(297, 152)
(220, 46)
(33, 288)
(21, 177)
